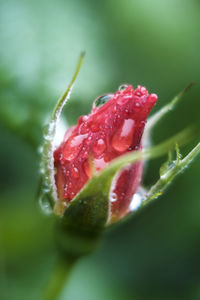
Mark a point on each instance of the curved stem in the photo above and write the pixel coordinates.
(166, 179)
(58, 279)
(48, 186)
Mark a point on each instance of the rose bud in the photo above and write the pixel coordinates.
(113, 128)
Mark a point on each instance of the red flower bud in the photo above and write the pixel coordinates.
(114, 127)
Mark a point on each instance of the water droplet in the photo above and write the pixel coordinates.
(49, 131)
(165, 169)
(44, 203)
(101, 100)
(84, 155)
(70, 148)
(82, 119)
(136, 202)
(137, 105)
(113, 197)
(152, 98)
(75, 172)
(138, 93)
(77, 140)
(99, 147)
(143, 90)
(40, 149)
(122, 139)
(137, 199)
(42, 170)
(122, 87)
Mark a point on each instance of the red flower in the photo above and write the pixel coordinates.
(114, 127)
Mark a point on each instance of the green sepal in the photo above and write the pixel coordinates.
(90, 209)
(48, 190)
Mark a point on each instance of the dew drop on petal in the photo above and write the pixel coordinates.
(44, 203)
(153, 98)
(75, 172)
(77, 140)
(136, 202)
(113, 197)
(99, 147)
(70, 148)
(101, 100)
(122, 139)
(137, 199)
(122, 87)
(137, 105)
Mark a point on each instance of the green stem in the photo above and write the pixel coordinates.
(58, 279)
(166, 179)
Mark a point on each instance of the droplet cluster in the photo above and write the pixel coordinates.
(114, 127)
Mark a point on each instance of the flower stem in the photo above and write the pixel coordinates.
(58, 279)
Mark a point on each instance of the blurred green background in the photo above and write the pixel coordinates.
(156, 255)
